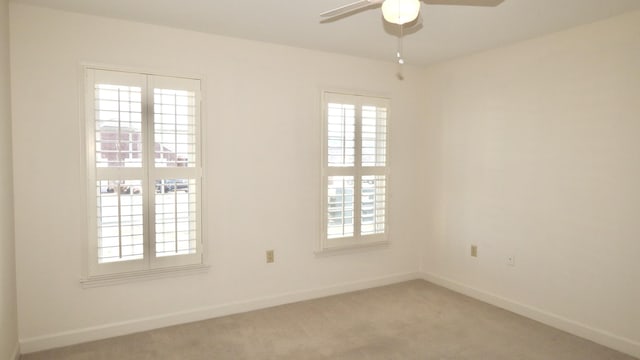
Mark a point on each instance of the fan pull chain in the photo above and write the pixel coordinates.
(399, 53)
(399, 57)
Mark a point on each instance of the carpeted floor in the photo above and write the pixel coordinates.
(411, 320)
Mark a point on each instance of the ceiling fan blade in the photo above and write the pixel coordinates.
(350, 7)
(465, 2)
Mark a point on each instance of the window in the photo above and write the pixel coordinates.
(354, 171)
(144, 172)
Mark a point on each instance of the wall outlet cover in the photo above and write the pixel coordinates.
(474, 250)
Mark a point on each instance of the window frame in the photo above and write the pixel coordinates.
(327, 245)
(151, 266)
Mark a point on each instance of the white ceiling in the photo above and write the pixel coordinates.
(447, 32)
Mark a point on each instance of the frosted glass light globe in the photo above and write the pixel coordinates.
(400, 11)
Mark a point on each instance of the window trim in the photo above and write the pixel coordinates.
(151, 274)
(154, 268)
(357, 242)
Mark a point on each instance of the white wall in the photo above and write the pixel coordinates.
(538, 157)
(8, 307)
(529, 150)
(263, 174)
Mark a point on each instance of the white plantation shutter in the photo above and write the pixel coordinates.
(120, 222)
(373, 210)
(340, 206)
(144, 163)
(341, 135)
(354, 170)
(175, 171)
(374, 135)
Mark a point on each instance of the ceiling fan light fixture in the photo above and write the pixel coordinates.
(400, 11)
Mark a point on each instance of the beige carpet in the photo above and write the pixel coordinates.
(412, 320)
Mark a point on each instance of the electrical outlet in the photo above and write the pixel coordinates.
(474, 250)
(511, 260)
(270, 256)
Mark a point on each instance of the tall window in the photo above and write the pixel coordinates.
(355, 170)
(143, 151)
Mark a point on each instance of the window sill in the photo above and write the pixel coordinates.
(122, 278)
(352, 248)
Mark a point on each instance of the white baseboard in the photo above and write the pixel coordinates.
(601, 337)
(72, 337)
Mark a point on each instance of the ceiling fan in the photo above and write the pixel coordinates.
(399, 12)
